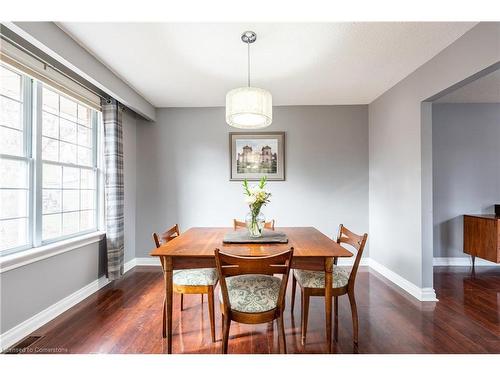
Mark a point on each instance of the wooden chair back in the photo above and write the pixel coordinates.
(356, 241)
(232, 265)
(166, 236)
(241, 224)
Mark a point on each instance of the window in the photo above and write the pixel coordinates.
(68, 166)
(48, 164)
(14, 162)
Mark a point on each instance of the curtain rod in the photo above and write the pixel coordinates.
(46, 63)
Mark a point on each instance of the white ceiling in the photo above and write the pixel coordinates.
(194, 64)
(483, 90)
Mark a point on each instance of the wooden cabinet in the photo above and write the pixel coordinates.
(482, 237)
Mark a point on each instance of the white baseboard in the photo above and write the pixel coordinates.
(350, 261)
(129, 265)
(462, 261)
(148, 261)
(23, 329)
(422, 294)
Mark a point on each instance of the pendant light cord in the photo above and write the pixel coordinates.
(248, 78)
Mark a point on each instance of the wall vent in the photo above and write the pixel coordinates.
(23, 345)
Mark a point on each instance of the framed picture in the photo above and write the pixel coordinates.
(257, 154)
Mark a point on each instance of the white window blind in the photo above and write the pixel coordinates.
(37, 69)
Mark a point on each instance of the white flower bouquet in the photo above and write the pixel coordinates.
(256, 197)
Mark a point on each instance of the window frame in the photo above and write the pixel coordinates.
(32, 123)
(26, 121)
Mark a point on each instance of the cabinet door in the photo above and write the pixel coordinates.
(481, 238)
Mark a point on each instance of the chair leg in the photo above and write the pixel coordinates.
(222, 326)
(354, 312)
(164, 319)
(336, 318)
(225, 335)
(305, 313)
(294, 286)
(202, 298)
(211, 311)
(182, 301)
(281, 334)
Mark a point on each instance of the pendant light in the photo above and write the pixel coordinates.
(249, 107)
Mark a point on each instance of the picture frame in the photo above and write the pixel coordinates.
(253, 155)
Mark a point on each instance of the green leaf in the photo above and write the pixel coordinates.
(262, 182)
(245, 187)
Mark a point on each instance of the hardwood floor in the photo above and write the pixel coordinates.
(125, 317)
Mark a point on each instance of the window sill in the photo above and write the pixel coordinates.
(24, 257)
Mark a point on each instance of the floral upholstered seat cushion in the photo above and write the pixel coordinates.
(198, 276)
(252, 293)
(316, 279)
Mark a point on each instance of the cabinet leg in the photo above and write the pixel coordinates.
(473, 262)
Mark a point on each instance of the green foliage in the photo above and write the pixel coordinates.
(246, 187)
(257, 196)
(262, 182)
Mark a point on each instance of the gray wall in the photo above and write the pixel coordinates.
(466, 169)
(27, 290)
(400, 167)
(183, 170)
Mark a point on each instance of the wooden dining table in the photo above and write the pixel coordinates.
(195, 249)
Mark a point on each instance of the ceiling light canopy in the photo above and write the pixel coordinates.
(249, 107)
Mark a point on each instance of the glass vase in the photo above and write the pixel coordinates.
(255, 224)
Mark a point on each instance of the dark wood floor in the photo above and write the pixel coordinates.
(125, 317)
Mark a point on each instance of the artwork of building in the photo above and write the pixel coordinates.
(263, 161)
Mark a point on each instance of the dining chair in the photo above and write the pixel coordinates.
(312, 283)
(190, 281)
(250, 294)
(241, 224)
(267, 225)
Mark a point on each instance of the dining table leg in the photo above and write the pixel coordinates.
(328, 302)
(167, 273)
